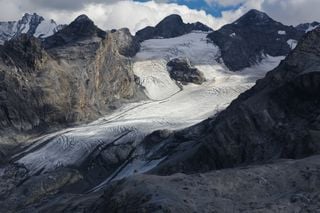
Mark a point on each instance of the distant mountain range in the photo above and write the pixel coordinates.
(30, 24)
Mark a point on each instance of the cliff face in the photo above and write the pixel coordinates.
(73, 76)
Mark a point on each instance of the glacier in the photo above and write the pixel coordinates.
(171, 106)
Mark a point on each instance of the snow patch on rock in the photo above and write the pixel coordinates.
(292, 43)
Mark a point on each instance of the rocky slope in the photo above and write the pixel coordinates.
(73, 76)
(306, 27)
(247, 40)
(169, 27)
(31, 24)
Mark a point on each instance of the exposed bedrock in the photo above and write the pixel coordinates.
(181, 70)
(246, 41)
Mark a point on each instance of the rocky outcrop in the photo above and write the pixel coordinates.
(169, 27)
(247, 40)
(80, 73)
(181, 70)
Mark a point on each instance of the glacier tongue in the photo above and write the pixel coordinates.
(171, 107)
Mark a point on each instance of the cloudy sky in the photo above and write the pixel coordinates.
(136, 14)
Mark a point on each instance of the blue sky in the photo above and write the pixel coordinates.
(214, 9)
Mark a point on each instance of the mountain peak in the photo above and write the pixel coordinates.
(171, 26)
(254, 17)
(82, 27)
(34, 18)
(83, 18)
(171, 19)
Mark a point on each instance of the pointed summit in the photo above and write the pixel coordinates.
(254, 17)
(81, 28)
(246, 41)
(82, 18)
(173, 19)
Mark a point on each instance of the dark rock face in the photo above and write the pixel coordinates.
(245, 42)
(26, 51)
(81, 28)
(181, 70)
(127, 44)
(81, 73)
(169, 27)
(308, 26)
(33, 20)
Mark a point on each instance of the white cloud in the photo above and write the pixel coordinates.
(136, 15)
(291, 12)
(224, 2)
(109, 14)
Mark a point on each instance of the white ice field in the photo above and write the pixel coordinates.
(170, 106)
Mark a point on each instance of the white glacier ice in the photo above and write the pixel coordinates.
(170, 106)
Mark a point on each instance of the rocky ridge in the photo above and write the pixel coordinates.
(169, 27)
(306, 27)
(30, 24)
(247, 40)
